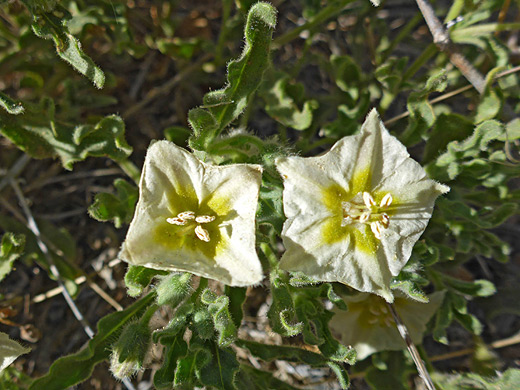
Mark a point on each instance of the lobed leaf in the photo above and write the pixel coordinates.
(176, 348)
(218, 307)
(39, 135)
(283, 101)
(49, 26)
(118, 208)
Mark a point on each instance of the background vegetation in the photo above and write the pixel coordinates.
(86, 85)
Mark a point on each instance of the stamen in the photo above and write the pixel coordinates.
(369, 201)
(186, 215)
(364, 217)
(204, 218)
(347, 206)
(385, 220)
(386, 201)
(201, 233)
(376, 229)
(176, 221)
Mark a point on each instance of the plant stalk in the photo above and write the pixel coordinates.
(403, 331)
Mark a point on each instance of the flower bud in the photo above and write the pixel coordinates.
(129, 351)
(172, 289)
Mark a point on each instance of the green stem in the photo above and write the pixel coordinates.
(319, 18)
(130, 169)
(428, 53)
(269, 254)
(145, 319)
(226, 11)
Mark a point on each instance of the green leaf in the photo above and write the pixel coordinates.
(218, 308)
(50, 26)
(489, 106)
(9, 350)
(394, 377)
(293, 354)
(221, 369)
(244, 76)
(477, 288)
(11, 248)
(176, 348)
(283, 101)
(422, 116)
(253, 379)
(449, 165)
(73, 369)
(237, 297)
(8, 104)
(177, 324)
(137, 278)
(408, 283)
(282, 352)
(118, 208)
(282, 313)
(39, 135)
(62, 249)
(447, 128)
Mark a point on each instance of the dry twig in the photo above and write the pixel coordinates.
(403, 331)
(442, 39)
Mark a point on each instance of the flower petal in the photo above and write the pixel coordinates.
(369, 333)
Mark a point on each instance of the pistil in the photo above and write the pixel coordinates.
(367, 212)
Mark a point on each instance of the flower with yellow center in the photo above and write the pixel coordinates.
(369, 326)
(195, 217)
(354, 213)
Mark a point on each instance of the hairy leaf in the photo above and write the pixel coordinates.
(38, 134)
(137, 278)
(244, 76)
(11, 106)
(219, 310)
(50, 26)
(73, 369)
(118, 208)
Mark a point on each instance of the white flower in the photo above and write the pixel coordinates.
(195, 217)
(369, 327)
(354, 213)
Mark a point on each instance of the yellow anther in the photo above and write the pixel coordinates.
(204, 219)
(386, 201)
(364, 217)
(369, 200)
(385, 220)
(201, 233)
(176, 221)
(186, 215)
(376, 228)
